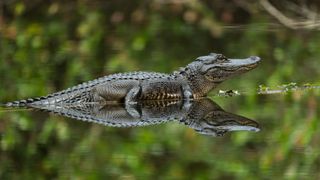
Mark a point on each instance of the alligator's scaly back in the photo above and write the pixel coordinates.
(192, 82)
(82, 93)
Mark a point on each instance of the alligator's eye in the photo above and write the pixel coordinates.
(221, 58)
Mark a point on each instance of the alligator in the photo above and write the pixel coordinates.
(194, 81)
(202, 115)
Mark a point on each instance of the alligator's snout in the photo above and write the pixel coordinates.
(255, 58)
(240, 65)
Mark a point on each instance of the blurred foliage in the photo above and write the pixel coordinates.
(46, 46)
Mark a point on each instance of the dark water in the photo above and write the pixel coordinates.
(276, 138)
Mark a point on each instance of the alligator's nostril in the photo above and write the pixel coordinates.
(255, 58)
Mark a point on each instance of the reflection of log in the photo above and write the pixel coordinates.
(204, 115)
(308, 23)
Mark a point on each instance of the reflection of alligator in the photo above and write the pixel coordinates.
(202, 115)
(192, 82)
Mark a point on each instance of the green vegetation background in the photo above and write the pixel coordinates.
(49, 46)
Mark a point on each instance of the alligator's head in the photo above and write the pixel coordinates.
(217, 68)
(206, 72)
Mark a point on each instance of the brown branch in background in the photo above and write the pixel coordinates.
(311, 18)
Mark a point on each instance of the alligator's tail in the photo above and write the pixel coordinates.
(21, 103)
(59, 97)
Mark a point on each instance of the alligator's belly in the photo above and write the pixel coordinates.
(161, 91)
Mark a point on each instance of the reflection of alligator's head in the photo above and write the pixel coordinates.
(206, 117)
(206, 72)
